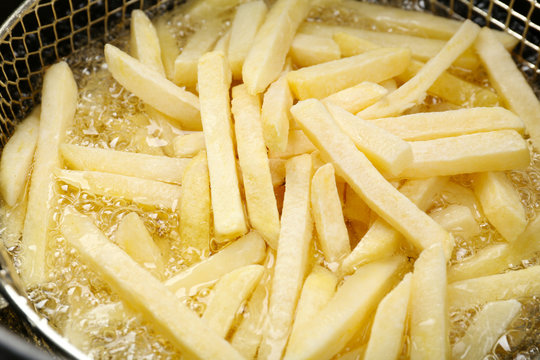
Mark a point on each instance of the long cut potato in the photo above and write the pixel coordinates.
(275, 114)
(144, 41)
(357, 97)
(307, 50)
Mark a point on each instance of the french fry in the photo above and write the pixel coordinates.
(487, 327)
(259, 192)
(292, 256)
(168, 45)
(142, 291)
(355, 208)
(133, 237)
(189, 145)
(389, 85)
(501, 203)
(386, 151)
(489, 151)
(13, 222)
(17, 156)
(429, 322)
(223, 43)
(195, 205)
(351, 45)
(361, 175)
(346, 312)
(307, 50)
(214, 83)
(328, 215)
(414, 90)
(388, 327)
(297, 144)
(58, 105)
(453, 193)
(153, 88)
(144, 41)
(199, 10)
(357, 97)
(509, 83)
(322, 80)
(229, 293)
(269, 49)
(458, 220)
(249, 249)
(510, 285)
(275, 114)
(152, 167)
(246, 22)
(185, 65)
(143, 191)
(277, 170)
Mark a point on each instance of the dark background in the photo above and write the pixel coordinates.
(7, 7)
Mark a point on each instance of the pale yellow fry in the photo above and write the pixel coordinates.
(249, 249)
(168, 44)
(247, 20)
(292, 257)
(133, 237)
(453, 193)
(307, 50)
(355, 208)
(143, 292)
(195, 205)
(58, 105)
(429, 322)
(144, 41)
(433, 125)
(223, 43)
(13, 222)
(487, 327)
(328, 215)
(346, 312)
(351, 45)
(361, 175)
(458, 220)
(414, 90)
(297, 144)
(214, 83)
(388, 327)
(266, 57)
(153, 167)
(510, 285)
(17, 156)
(143, 191)
(153, 88)
(198, 10)
(357, 97)
(275, 114)
(322, 80)
(387, 152)
(259, 192)
(189, 145)
(510, 83)
(228, 294)
(277, 170)
(489, 151)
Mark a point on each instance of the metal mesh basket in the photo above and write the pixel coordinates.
(43, 31)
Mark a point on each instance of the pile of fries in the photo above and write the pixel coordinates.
(303, 171)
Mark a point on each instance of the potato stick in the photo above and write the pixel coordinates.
(159, 168)
(228, 294)
(169, 46)
(223, 43)
(185, 65)
(458, 220)
(388, 327)
(153, 88)
(433, 125)
(386, 151)
(489, 151)
(351, 45)
(275, 114)
(509, 83)
(13, 222)
(214, 83)
(307, 50)
(144, 41)
(322, 80)
(246, 22)
(259, 192)
(143, 191)
(189, 145)
(487, 327)
(501, 203)
(143, 292)
(357, 97)
(382, 239)
(429, 323)
(389, 85)
(267, 54)
(318, 289)
(355, 208)
(277, 170)
(199, 10)
(249, 249)
(510, 285)
(328, 215)
(292, 257)
(133, 237)
(346, 312)
(361, 175)
(453, 193)
(58, 105)
(297, 144)
(195, 205)
(17, 156)
(414, 90)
